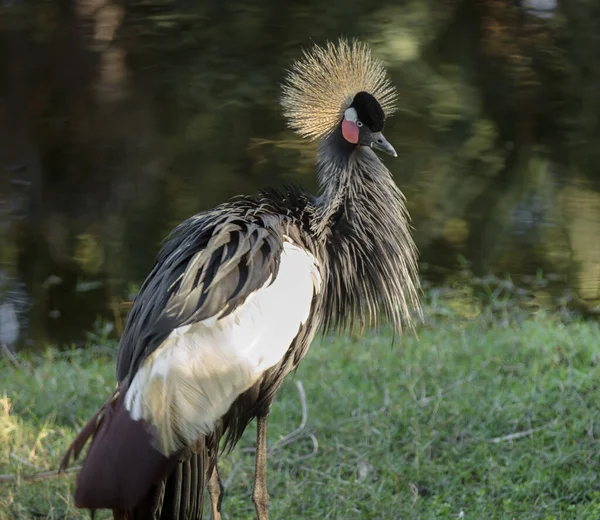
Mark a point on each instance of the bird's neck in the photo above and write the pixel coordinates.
(348, 175)
(335, 162)
(362, 222)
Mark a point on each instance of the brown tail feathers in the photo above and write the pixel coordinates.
(124, 472)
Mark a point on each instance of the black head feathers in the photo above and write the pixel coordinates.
(369, 111)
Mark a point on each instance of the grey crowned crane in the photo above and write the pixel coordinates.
(237, 294)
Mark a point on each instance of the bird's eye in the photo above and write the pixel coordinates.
(359, 123)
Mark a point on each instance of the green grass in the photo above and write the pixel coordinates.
(421, 429)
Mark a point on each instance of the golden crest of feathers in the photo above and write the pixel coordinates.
(322, 84)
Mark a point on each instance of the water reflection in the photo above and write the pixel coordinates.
(118, 121)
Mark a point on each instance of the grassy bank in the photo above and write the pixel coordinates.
(478, 418)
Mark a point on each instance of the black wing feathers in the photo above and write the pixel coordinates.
(207, 268)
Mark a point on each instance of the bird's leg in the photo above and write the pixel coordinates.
(215, 491)
(260, 495)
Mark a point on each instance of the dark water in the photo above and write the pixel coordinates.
(120, 119)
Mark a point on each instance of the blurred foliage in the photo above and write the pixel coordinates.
(127, 117)
(88, 253)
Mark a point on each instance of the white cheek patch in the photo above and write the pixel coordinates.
(351, 115)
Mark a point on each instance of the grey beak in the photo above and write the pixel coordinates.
(379, 142)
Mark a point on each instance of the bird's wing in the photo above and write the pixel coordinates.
(208, 266)
(223, 304)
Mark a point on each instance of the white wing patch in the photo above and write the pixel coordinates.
(194, 377)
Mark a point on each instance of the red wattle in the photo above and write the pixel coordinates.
(350, 131)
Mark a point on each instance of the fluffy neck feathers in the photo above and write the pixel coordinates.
(364, 226)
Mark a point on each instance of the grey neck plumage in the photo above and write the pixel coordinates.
(362, 222)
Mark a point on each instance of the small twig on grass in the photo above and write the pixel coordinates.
(310, 455)
(43, 475)
(293, 435)
(414, 489)
(22, 460)
(520, 435)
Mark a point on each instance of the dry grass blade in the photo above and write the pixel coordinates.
(524, 433)
(34, 477)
